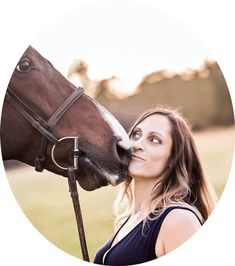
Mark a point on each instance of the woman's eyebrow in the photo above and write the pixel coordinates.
(156, 132)
(136, 128)
(150, 133)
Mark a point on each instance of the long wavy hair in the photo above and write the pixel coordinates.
(183, 181)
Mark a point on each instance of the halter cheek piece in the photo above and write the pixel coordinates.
(46, 129)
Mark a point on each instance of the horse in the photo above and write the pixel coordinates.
(44, 116)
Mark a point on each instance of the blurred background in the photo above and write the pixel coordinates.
(129, 66)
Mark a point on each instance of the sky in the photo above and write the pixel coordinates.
(124, 40)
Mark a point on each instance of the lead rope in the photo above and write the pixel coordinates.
(77, 209)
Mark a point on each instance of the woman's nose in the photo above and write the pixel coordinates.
(137, 144)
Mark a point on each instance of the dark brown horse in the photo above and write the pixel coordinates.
(103, 148)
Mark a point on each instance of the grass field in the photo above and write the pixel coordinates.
(45, 199)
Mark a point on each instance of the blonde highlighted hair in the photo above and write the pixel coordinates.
(183, 181)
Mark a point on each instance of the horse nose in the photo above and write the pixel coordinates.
(123, 151)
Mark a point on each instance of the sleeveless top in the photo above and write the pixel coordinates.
(138, 246)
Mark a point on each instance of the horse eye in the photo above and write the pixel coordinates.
(23, 66)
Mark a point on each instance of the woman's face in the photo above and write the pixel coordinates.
(151, 147)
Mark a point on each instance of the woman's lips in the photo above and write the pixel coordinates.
(134, 156)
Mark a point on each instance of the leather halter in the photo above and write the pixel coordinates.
(46, 128)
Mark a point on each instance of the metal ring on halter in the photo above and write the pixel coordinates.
(75, 153)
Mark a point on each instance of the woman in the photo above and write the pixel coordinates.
(166, 197)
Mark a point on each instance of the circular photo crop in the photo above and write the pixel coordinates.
(130, 112)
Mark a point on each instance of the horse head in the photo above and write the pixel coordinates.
(103, 145)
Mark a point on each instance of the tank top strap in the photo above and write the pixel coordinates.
(155, 223)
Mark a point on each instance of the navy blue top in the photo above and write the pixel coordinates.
(138, 246)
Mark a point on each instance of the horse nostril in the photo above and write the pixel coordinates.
(124, 155)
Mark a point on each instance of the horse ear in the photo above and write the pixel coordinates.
(30, 47)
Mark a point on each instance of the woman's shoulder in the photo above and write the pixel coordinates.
(179, 212)
(181, 217)
(178, 226)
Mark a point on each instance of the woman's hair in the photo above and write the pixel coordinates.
(183, 181)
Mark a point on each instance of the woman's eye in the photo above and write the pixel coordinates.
(23, 66)
(135, 135)
(155, 140)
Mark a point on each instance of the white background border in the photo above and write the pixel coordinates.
(213, 22)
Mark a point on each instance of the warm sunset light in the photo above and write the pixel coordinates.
(130, 57)
(112, 44)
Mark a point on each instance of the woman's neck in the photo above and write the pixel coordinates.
(142, 195)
